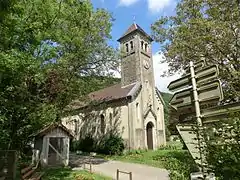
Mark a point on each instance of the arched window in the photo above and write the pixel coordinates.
(142, 43)
(137, 111)
(127, 48)
(110, 119)
(131, 45)
(102, 124)
(146, 47)
(76, 126)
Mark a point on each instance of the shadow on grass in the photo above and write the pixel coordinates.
(57, 173)
(69, 174)
(79, 160)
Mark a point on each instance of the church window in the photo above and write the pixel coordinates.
(127, 48)
(137, 111)
(142, 43)
(110, 119)
(146, 47)
(131, 45)
(76, 126)
(102, 124)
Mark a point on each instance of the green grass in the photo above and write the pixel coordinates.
(68, 174)
(179, 162)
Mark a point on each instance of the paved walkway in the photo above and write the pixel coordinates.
(139, 171)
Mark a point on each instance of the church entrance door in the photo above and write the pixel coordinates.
(150, 135)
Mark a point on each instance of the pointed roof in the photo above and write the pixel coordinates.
(134, 27)
(148, 111)
(50, 127)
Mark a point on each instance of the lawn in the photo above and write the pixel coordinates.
(68, 174)
(179, 162)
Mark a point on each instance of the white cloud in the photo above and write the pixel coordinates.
(127, 2)
(159, 68)
(156, 6)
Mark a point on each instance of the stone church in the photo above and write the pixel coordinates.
(132, 108)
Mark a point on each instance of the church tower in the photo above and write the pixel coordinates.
(137, 64)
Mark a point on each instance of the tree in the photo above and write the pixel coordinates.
(206, 29)
(223, 148)
(51, 52)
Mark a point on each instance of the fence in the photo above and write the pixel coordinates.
(90, 165)
(8, 162)
(118, 172)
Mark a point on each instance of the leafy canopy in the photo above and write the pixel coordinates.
(206, 29)
(51, 52)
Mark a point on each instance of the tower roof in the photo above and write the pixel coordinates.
(134, 27)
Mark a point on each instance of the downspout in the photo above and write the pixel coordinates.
(129, 129)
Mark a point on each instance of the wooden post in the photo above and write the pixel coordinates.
(117, 174)
(66, 151)
(90, 163)
(124, 172)
(47, 150)
(130, 176)
(44, 153)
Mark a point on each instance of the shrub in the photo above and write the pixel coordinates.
(74, 145)
(111, 145)
(223, 149)
(86, 144)
(180, 164)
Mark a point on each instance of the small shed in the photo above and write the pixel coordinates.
(52, 143)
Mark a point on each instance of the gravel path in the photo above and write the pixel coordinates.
(109, 168)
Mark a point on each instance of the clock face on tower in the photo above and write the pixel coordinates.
(146, 64)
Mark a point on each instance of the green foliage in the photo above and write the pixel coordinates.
(223, 149)
(50, 54)
(166, 98)
(74, 145)
(206, 29)
(86, 144)
(178, 162)
(68, 174)
(111, 145)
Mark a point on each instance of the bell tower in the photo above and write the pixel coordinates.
(137, 64)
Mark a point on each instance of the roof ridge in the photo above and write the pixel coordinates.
(129, 84)
(135, 27)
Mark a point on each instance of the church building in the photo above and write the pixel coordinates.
(133, 108)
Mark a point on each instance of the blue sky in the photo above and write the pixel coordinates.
(146, 12)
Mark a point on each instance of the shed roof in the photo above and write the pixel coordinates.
(52, 126)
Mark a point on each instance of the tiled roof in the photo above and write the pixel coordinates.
(111, 93)
(132, 28)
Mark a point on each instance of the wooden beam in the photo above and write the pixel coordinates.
(66, 150)
(56, 151)
(44, 153)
